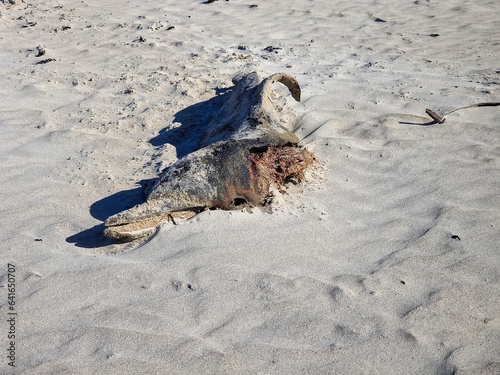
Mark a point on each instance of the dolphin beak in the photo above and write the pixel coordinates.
(140, 221)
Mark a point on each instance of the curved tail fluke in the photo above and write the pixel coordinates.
(289, 81)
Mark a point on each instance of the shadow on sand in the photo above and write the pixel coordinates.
(104, 208)
(185, 138)
(417, 123)
(194, 121)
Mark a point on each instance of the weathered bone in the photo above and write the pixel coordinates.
(244, 150)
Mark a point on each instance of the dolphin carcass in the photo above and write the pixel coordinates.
(245, 150)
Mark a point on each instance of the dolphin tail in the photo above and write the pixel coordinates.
(286, 79)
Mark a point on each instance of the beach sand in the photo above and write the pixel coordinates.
(386, 260)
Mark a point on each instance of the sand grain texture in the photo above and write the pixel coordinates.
(385, 262)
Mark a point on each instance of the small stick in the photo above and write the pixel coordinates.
(435, 116)
(441, 119)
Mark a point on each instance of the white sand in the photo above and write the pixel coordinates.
(355, 272)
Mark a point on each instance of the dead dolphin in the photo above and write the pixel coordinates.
(244, 150)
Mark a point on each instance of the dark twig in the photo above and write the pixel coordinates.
(434, 116)
(441, 119)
